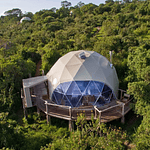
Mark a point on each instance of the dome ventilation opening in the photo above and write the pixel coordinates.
(82, 55)
(111, 65)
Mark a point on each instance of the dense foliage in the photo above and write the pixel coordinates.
(123, 28)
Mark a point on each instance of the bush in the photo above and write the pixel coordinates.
(90, 135)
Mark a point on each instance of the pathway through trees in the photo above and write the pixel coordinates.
(38, 66)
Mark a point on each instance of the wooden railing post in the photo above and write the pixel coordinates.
(123, 119)
(46, 111)
(47, 116)
(95, 112)
(38, 110)
(23, 102)
(70, 121)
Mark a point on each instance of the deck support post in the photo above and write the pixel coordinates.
(123, 119)
(70, 121)
(71, 125)
(24, 108)
(121, 95)
(48, 119)
(25, 112)
(38, 111)
(100, 113)
(95, 113)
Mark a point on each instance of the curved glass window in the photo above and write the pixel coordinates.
(82, 93)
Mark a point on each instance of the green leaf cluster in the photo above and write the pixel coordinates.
(119, 27)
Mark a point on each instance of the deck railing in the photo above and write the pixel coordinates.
(104, 110)
(59, 111)
(68, 113)
(121, 93)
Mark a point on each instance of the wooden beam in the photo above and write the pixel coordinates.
(23, 103)
(123, 119)
(47, 112)
(59, 116)
(70, 125)
(38, 110)
(70, 121)
(100, 115)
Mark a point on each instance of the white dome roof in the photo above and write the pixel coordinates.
(25, 18)
(71, 67)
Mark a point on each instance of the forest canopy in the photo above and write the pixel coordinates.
(121, 27)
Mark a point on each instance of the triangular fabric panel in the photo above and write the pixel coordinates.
(65, 76)
(91, 66)
(73, 69)
(65, 59)
(99, 76)
(82, 74)
(74, 61)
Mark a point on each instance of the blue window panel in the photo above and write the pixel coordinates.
(92, 89)
(73, 89)
(65, 86)
(79, 103)
(107, 94)
(66, 100)
(82, 85)
(54, 98)
(71, 93)
(106, 88)
(59, 89)
(74, 99)
(99, 85)
(59, 97)
(96, 97)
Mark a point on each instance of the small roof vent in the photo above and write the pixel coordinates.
(82, 55)
(111, 65)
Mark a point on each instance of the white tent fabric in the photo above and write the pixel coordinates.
(71, 67)
(25, 18)
(31, 82)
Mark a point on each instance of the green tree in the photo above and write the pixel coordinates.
(139, 65)
(65, 4)
(15, 11)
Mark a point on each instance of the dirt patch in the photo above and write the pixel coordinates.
(133, 120)
(38, 66)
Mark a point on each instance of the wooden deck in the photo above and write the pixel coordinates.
(114, 110)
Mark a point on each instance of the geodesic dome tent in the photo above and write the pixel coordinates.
(82, 78)
(25, 18)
